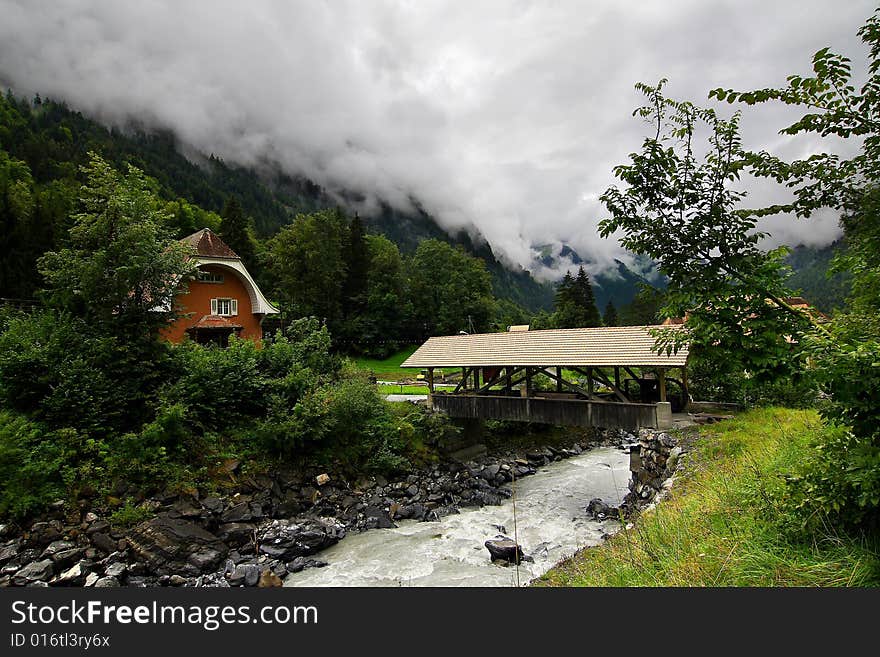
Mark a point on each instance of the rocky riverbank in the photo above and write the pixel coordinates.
(271, 526)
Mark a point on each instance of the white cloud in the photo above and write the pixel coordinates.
(507, 115)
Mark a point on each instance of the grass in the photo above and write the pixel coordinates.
(389, 368)
(721, 527)
(401, 389)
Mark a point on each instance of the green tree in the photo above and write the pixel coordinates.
(680, 209)
(609, 318)
(644, 309)
(122, 267)
(586, 299)
(843, 482)
(306, 259)
(236, 231)
(387, 311)
(575, 304)
(450, 291)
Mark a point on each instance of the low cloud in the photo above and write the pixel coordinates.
(508, 116)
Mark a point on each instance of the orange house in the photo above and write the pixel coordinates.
(221, 300)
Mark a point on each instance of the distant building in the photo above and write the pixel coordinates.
(799, 303)
(221, 300)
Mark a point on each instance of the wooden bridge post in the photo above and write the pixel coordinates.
(661, 379)
(431, 380)
(528, 382)
(558, 379)
(684, 389)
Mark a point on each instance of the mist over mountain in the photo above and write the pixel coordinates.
(502, 119)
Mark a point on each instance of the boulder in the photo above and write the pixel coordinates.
(166, 543)
(73, 576)
(490, 472)
(505, 549)
(237, 533)
(600, 511)
(36, 571)
(106, 583)
(239, 513)
(103, 542)
(285, 541)
(243, 575)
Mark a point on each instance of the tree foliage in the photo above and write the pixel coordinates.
(575, 303)
(681, 208)
(121, 268)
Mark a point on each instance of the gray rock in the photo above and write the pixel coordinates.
(106, 583)
(490, 472)
(57, 546)
(66, 557)
(36, 571)
(73, 576)
(504, 549)
(103, 542)
(91, 578)
(98, 526)
(9, 550)
(244, 575)
(166, 543)
(205, 559)
(213, 504)
(672, 460)
(237, 533)
(117, 569)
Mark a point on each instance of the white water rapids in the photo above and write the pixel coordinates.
(552, 524)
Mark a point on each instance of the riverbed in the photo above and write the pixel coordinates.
(551, 524)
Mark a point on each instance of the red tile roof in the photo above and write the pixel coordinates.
(214, 322)
(208, 244)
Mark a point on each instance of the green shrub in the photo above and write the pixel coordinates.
(838, 485)
(54, 367)
(130, 514)
(31, 465)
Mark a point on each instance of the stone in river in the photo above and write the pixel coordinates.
(504, 549)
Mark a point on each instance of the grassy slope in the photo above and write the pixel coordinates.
(719, 527)
(388, 368)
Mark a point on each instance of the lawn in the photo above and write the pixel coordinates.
(721, 526)
(389, 368)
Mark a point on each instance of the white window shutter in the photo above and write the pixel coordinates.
(213, 306)
(234, 308)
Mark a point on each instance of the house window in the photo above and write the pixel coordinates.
(224, 307)
(209, 277)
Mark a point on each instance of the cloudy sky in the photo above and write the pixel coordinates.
(507, 114)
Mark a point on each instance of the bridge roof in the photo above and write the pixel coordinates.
(607, 346)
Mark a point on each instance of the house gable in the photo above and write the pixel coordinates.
(221, 299)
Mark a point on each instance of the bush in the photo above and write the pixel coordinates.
(31, 464)
(709, 380)
(54, 368)
(839, 483)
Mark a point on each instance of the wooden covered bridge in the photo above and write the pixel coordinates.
(599, 377)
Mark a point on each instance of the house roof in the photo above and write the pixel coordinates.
(606, 346)
(209, 245)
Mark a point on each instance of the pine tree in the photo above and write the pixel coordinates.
(586, 299)
(357, 262)
(610, 316)
(236, 232)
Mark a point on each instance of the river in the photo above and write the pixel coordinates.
(552, 524)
